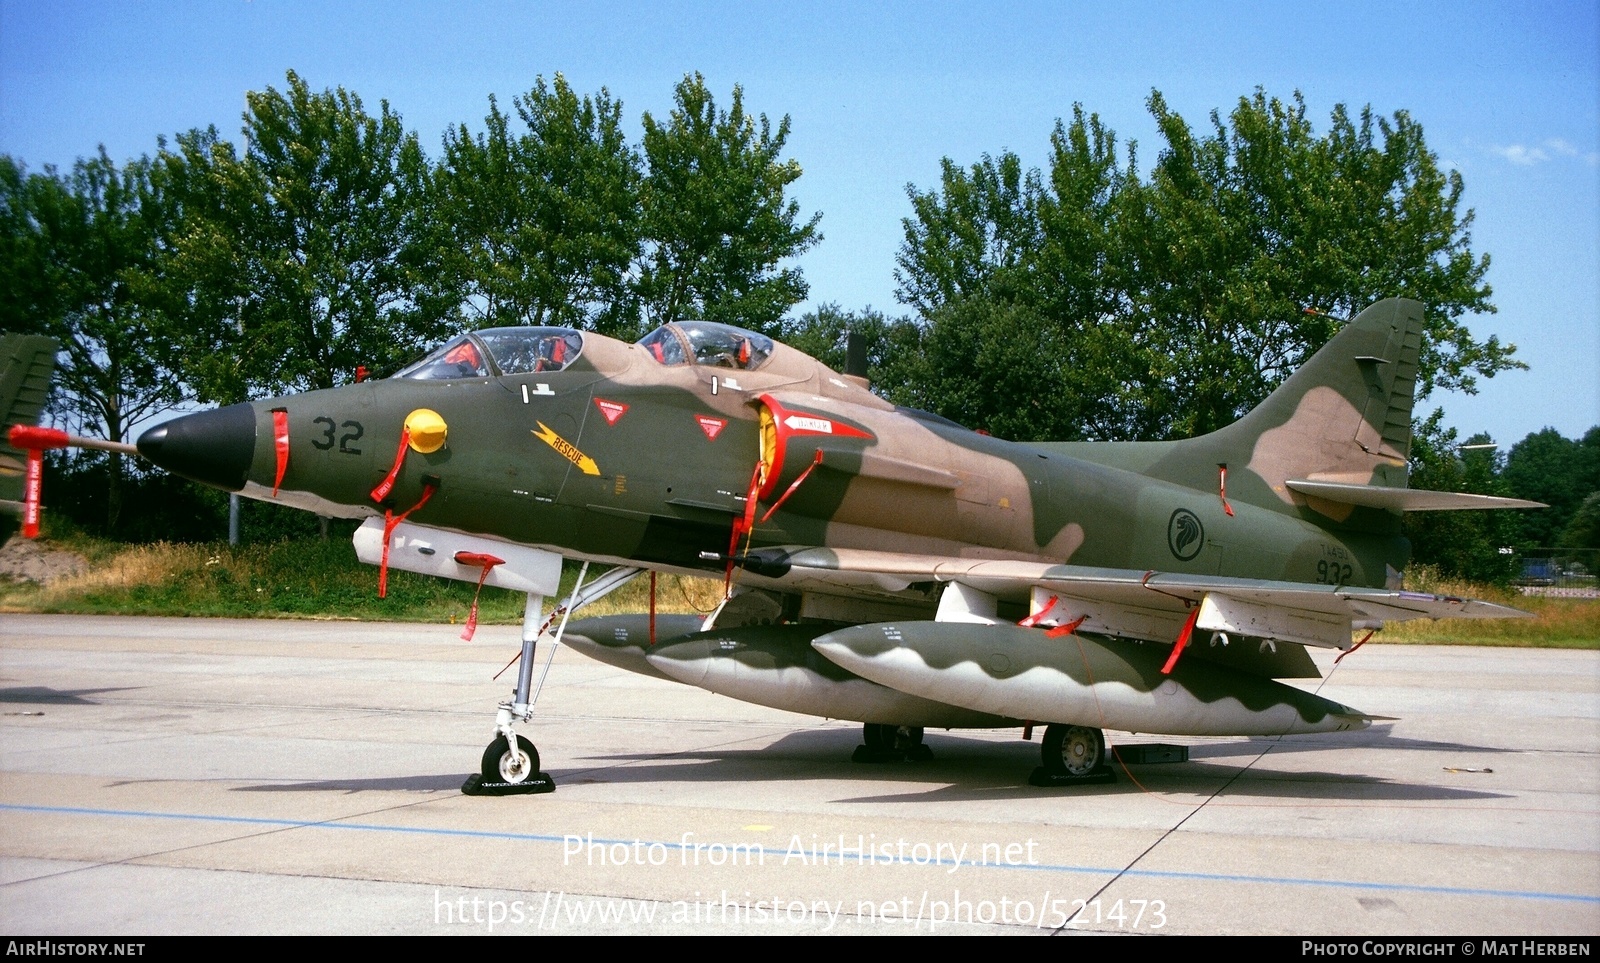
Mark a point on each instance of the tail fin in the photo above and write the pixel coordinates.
(1344, 417)
(1337, 435)
(1334, 436)
(26, 363)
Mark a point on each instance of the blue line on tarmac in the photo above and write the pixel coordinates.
(810, 855)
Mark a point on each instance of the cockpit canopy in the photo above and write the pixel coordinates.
(498, 351)
(707, 343)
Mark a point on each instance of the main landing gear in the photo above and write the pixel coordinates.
(1072, 756)
(890, 743)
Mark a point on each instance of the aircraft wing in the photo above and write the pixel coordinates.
(1124, 602)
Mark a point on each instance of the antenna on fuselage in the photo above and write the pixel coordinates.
(855, 357)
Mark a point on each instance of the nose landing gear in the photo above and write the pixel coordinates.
(510, 764)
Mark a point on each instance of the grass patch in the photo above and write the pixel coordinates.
(311, 579)
(1557, 623)
(315, 579)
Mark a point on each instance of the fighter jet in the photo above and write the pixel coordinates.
(882, 565)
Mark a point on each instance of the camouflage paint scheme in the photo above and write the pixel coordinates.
(1279, 531)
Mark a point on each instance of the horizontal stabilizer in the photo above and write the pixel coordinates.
(1403, 499)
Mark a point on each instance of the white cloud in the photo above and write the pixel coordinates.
(1520, 155)
(1552, 148)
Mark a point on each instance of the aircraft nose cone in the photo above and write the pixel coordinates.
(211, 447)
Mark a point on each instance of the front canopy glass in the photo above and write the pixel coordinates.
(498, 351)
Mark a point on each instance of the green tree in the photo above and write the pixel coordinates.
(717, 221)
(823, 333)
(975, 236)
(1033, 266)
(1558, 471)
(1584, 529)
(77, 253)
(1474, 545)
(1245, 227)
(1177, 300)
(992, 366)
(201, 261)
(312, 253)
(545, 222)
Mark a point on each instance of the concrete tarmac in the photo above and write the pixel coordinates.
(170, 776)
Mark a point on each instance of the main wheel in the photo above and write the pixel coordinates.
(500, 764)
(1073, 750)
(907, 738)
(878, 736)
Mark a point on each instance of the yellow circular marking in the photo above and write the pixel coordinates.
(427, 430)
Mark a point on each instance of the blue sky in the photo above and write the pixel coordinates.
(1507, 93)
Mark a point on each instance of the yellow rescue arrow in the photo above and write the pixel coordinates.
(567, 449)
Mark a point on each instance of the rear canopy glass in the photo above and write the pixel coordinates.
(707, 343)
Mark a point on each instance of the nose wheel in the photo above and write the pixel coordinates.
(515, 766)
(508, 771)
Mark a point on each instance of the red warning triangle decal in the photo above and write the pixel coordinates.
(612, 410)
(711, 426)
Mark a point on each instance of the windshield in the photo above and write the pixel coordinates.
(504, 351)
(707, 343)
